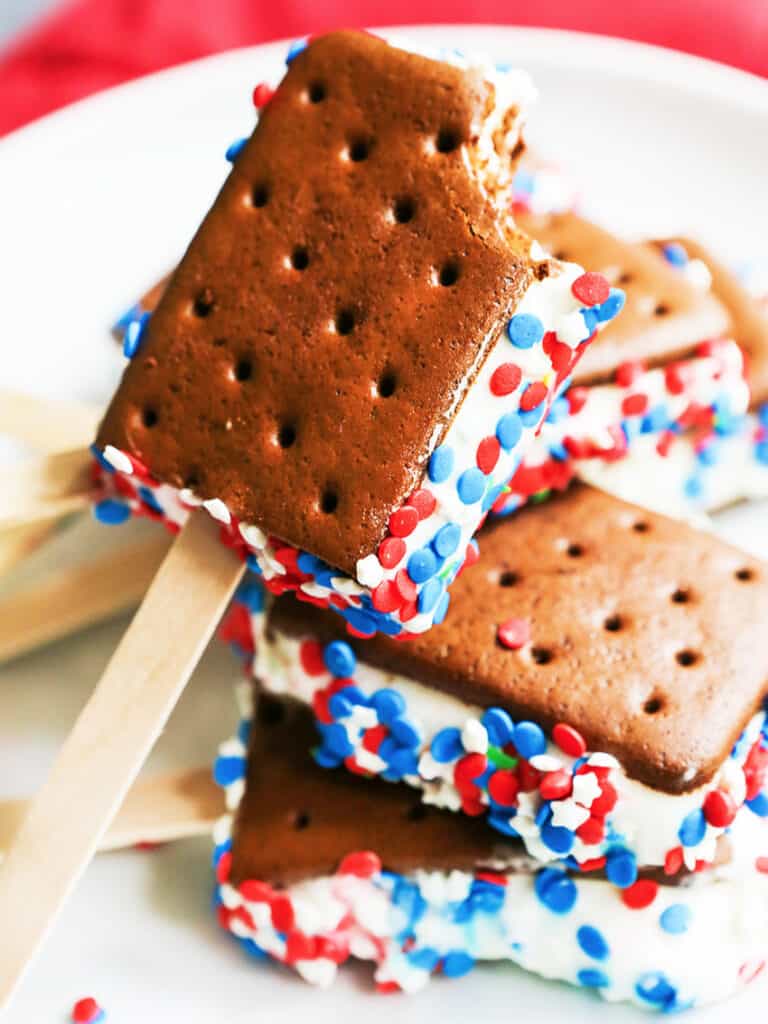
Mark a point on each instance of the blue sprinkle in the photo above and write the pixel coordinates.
(509, 430)
(543, 814)
(593, 942)
(295, 49)
(335, 739)
(426, 959)
(591, 318)
(693, 487)
(559, 840)
(134, 335)
(654, 988)
(430, 594)
(457, 963)
(524, 182)
(235, 149)
(491, 496)
(422, 565)
(252, 949)
(446, 539)
(761, 452)
(759, 805)
(762, 415)
(148, 498)
(676, 919)
(655, 420)
(404, 762)
(530, 417)
(612, 306)
(440, 464)
(675, 254)
(220, 850)
(559, 410)
(101, 458)
(227, 770)
(499, 726)
(388, 704)
(340, 659)
(244, 731)
(556, 890)
(111, 511)
(308, 563)
(502, 823)
(693, 828)
(326, 758)
(446, 745)
(621, 867)
(121, 324)
(471, 485)
(529, 739)
(525, 330)
(253, 564)
(709, 455)
(251, 594)
(442, 609)
(339, 706)
(591, 977)
(405, 732)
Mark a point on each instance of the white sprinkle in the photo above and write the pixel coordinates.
(314, 589)
(118, 459)
(188, 497)
(253, 536)
(320, 972)
(369, 571)
(586, 789)
(572, 329)
(369, 761)
(344, 585)
(231, 748)
(474, 736)
(600, 760)
(568, 814)
(222, 830)
(217, 508)
(546, 763)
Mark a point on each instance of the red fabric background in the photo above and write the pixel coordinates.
(92, 44)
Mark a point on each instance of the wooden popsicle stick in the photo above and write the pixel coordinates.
(74, 598)
(45, 488)
(49, 425)
(18, 542)
(111, 740)
(160, 809)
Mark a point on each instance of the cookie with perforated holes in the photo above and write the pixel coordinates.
(318, 867)
(598, 690)
(359, 344)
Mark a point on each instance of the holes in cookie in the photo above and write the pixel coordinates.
(509, 578)
(641, 526)
(149, 417)
(448, 274)
(574, 550)
(625, 277)
(302, 820)
(243, 370)
(686, 658)
(654, 704)
(416, 813)
(560, 254)
(541, 655)
(613, 624)
(661, 309)
(270, 711)
(681, 596)
(191, 481)
(329, 501)
(404, 209)
(447, 140)
(345, 321)
(744, 575)
(359, 150)
(299, 258)
(387, 384)
(286, 435)
(203, 303)
(260, 195)
(316, 92)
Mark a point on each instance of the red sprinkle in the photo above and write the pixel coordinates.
(408, 589)
(505, 379)
(591, 289)
(674, 378)
(634, 405)
(299, 946)
(262, 94)
(605, 803)
(311, 657)
(386, 597)
(762, 865)
(374, 737)
(591, 831)
(391, 550)
(640, 895)
(533, 396)
(569, 740)
(528, 776)
(719, 808)
(514, 633)
(673, 861)
(593, 864)
(488, 454)
(560, 354)
(255, 891)
(403, 521)
(628, 373)
(424, 502)
(282, 913)
(223, 867)
(556, 785)
(85, 1011)
(504, 787)
(467, 769)
(577, 398)
(472, 806)
(363, 864)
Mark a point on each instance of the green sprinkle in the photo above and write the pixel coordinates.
(500, 759)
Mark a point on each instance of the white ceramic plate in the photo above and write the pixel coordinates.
(98, 200)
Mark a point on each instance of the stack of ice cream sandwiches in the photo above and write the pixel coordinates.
(539, 736)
